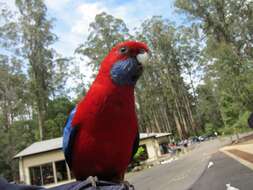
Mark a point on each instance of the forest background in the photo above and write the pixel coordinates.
(39, 86)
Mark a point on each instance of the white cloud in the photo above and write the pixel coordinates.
(10, 4)
(67, 43)
(87, 12)
(133, 13)
(56, 4)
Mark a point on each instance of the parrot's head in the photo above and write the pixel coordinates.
(124, 63)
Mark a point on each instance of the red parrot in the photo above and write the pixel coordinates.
(101, 133)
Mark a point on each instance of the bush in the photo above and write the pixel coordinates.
(139, 154)
(242, 122)
(210, 129)
(241, 125)
(226, 131)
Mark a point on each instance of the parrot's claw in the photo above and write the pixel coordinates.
(128, 185)
(92, 180)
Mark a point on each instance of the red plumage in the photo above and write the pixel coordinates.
(107, 122)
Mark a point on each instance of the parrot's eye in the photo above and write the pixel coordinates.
(123, 50)
(142, 51)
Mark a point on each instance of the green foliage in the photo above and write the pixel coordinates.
(32, 76)
(227, 28)
(58, 111)
(12, 140)
(207, 105)
(239, 126)
(105, 32)
(140, 152)
(210, 129)
(46, 69)
(242, 121)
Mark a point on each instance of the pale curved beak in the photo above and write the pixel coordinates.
(143, 57)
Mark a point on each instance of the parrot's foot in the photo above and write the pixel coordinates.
(92, 180)
(128, 185)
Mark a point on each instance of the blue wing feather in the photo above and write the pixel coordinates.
(69, 137)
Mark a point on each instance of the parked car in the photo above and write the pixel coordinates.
(201, 138)
(194, 139)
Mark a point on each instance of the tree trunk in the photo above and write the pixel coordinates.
(179, 128)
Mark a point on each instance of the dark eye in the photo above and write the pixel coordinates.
(123, 50)
(142, 51)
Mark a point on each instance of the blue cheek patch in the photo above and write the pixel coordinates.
(123, 72)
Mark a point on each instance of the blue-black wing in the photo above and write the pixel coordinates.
(69, 134)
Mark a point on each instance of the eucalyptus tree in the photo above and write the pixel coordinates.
(36, 37)
(15, 115)
(227, 26)
(104, 32)
(164, 94)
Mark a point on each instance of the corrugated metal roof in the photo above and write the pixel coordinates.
(41, 146)
(54, 144)
(148, 135)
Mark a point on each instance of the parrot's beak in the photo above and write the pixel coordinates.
(143, 57)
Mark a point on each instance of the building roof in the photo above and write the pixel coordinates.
(149, 135)
(54, 144)
(41, 146)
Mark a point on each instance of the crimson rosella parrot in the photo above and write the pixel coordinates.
(101, 133)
